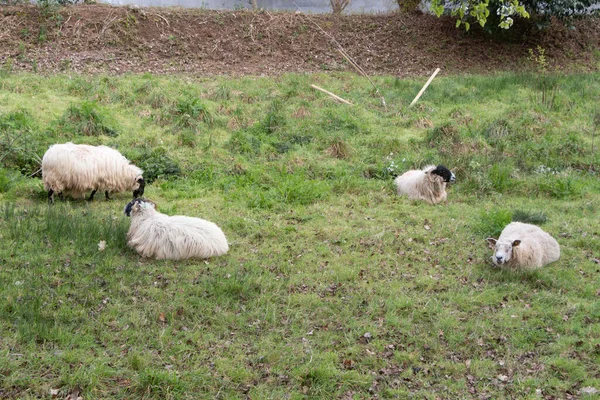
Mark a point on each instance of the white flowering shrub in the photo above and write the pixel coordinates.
(469, 10)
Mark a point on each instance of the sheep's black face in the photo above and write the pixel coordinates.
(445, 173)
(139, 192)
(130, 205)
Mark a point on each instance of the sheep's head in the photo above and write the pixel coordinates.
(138, 187)
(503, 250)
(136, 205)
(445, 173)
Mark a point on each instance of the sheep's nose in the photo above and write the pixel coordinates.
(499, 258)
(452, 178)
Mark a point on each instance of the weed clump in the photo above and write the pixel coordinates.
(86, 119)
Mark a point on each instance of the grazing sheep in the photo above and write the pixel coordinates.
(524, 246)
(160, 236)
(428, 184)
(77, 168)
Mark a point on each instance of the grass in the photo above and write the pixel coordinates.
(334, 287)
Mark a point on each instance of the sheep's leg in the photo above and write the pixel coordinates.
(106, 194)
(60, 196)
(50, 196)
(92, 195)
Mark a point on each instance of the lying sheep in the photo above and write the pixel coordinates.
(78, 168)
(160, 236)
(524, 246)
(428, 184)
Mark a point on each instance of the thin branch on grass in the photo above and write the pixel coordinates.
(425, 86)
(333, 96)
(343, 52)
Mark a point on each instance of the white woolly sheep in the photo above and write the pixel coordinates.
(428, 184)
(156, 235)
(78, 168)
(524, 246)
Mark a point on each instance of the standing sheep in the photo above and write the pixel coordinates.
(428, 184)
(524, 246)
(77, 168)
(156, 235)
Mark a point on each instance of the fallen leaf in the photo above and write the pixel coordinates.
(503, 378)
(589, 390)
(73, 395)
(54, 392)
(162, 318)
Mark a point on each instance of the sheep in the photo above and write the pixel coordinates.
(428, 184)
(524, 246)
(156, 235)
(77, 168)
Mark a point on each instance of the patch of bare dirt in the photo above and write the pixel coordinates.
(102, 38)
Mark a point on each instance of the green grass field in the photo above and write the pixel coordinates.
(334, 287)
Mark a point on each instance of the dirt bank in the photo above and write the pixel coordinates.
(101, 38)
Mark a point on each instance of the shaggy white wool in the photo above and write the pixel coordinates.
(156, 235)
(524, 246)
(422, 185)
(79, 168)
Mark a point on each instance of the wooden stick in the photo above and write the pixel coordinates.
(335, 97)
(425, 87)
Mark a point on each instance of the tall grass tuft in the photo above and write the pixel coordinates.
(530, 217)
(86, 119)
(339, 149)
(63, 225)
(491, 223)
(190, 110)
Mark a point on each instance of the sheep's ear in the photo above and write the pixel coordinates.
(491, 242)
(516, 243)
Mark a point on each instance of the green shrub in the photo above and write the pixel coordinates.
(156, 163)
(21, 146)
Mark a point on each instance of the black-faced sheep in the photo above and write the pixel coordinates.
(156, 235)
(78, 168)
(428, 184)
(524, 246)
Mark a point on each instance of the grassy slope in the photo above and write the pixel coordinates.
(333, 286)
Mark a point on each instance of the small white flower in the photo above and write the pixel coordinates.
(102, 245)
(18, 283)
